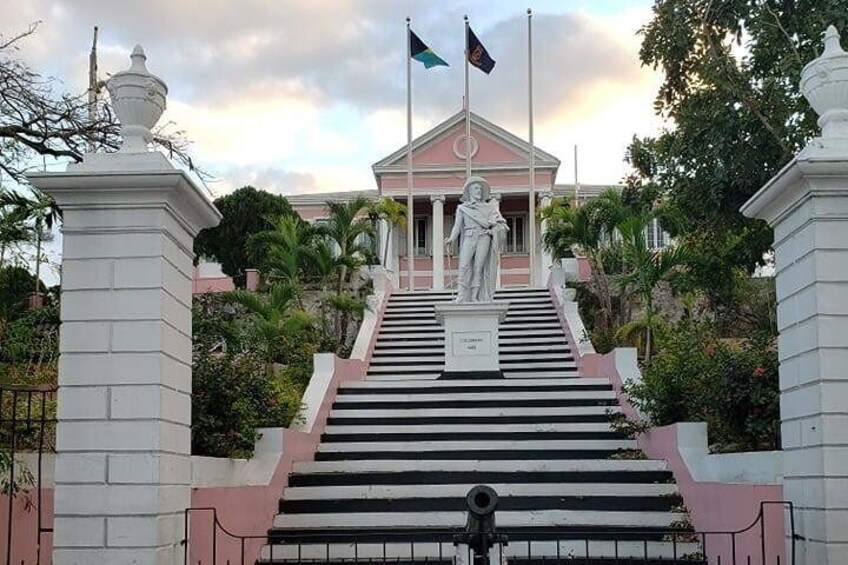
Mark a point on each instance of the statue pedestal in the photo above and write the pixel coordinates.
(471, 339)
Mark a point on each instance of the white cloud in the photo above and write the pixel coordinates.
(258, 84)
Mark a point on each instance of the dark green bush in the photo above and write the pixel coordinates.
(587, 302)
(33, 337)
(232, 396)
(732, 385)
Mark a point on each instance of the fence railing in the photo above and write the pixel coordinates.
(27, 432)
(763, 542)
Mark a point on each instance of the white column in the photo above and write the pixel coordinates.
(545, 198)
(123, 439)
(394, 258)
(498, 282)
(807, 205)
(385, 234)
(438, 201)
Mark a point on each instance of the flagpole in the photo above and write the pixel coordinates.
(576, 182)
(467, 109)
(410, 217)
(532, 192)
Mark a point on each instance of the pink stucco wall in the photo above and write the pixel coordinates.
(202, 285)
(311, 212)
(436, 182)
(515, 271)
(584, 269)
(217, 284)
(713, 507)
(25, 527)
(250, 510)
(440, 150)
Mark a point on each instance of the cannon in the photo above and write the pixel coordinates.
(480, 533)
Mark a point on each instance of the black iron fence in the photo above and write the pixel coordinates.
(27, 432)
(768, 540)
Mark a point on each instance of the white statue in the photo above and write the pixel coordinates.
(481, 231)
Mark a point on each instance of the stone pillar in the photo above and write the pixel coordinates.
(438, 201)
(807, 205)
(545, 199)
(123, 440)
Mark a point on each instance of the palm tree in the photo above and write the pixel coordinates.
(646, 267)
(393, 213)
(347, 227)
(275, 316)
(44, 213)
(13, 225)
(590, 229)
(282, 252)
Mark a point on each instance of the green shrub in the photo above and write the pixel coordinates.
(588, 304)
(732, 385)
(31, 338)
(232, 396)
(16, 286)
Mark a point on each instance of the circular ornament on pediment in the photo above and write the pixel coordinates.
(459, 146)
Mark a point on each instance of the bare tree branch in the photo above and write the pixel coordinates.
(6, 43)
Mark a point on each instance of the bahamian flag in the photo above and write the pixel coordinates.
(423, 54)
(477, 54)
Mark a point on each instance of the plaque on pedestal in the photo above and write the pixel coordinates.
(471, 339)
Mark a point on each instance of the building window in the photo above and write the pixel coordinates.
(421, 240)
(516, 236)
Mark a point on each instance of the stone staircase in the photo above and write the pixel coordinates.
(401, 449)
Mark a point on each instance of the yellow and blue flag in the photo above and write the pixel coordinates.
(423, 54)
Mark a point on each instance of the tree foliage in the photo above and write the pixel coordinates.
(732, 385)
(349, 229)
(246, 212)
(16, 286)
(392, 212)
(731, 71)
(610, 231)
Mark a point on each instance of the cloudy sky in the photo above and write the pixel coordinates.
(304, 95)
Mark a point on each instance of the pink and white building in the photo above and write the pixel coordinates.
(438, 158)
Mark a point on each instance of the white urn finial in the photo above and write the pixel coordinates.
(824, 83)
(138, 98)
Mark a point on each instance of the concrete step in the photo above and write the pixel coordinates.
(508, 325)
(438, 341)
(424, 371)
(515, 310)
(543, 413)
(460, 490)
(516, 447)
(565, 373)
(339, 411)
(511, 320)
(424, 302)
(438, 349)
(514, 466)
(480, 396)
(487, 384)
(388, 431)
(393, 359)
(506, 519)
(534, 503)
